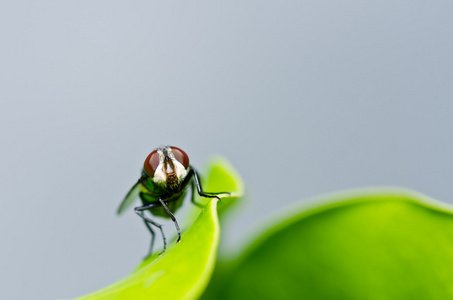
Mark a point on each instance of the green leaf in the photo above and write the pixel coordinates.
(364, 244)
(183, 271)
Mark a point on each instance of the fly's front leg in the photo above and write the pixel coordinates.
(172, 218)
(192, 199)
(200, 189)
(140, 211)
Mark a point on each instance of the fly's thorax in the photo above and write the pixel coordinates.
(173, 203)
(170, 173)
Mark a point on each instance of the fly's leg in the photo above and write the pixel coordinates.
(153, 236)
(192, 199)
(172, 218)
(200, 189)
(140, 212)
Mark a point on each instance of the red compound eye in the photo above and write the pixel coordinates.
(180, 156)
(151, 163)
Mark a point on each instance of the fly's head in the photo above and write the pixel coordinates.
(167, 166)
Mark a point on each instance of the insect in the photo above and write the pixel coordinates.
(162, 186)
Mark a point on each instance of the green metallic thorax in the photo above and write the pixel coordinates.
(150, 192)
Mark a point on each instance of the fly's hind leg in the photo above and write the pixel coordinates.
(140, 211)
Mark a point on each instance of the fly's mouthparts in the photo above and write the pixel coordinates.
(172, 177)
(172, 181)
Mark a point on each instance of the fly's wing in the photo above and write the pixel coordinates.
(130, 198)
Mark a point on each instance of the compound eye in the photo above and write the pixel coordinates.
(151, 163)
(180, 156)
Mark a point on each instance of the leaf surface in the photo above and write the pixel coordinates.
(364, 244)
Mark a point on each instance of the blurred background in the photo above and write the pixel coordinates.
(303, 98)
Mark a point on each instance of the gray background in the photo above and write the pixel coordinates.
(303, 98)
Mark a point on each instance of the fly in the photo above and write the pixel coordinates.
(162, 186)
